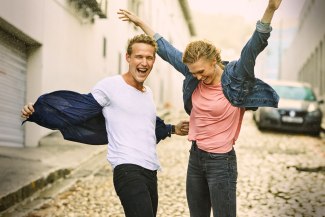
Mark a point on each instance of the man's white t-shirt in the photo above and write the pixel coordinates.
(130, 117)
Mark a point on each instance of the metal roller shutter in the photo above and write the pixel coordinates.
(13, 62)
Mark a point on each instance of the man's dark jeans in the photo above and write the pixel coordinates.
(137, 190)
(211, 181)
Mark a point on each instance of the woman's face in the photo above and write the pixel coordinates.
(204, 70)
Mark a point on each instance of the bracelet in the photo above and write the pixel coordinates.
(173, 129)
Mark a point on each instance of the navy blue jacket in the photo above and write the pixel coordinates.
(79, 117)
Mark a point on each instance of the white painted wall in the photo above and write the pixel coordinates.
(308, 37)
(70, 56)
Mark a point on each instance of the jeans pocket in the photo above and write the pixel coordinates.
(216, 156)
(123, 175)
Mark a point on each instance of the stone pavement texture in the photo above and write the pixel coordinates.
(23, 171)
(280, 175)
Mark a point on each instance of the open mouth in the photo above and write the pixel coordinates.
(142, 70)
(204, 79)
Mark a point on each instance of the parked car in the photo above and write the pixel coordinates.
(298, 110)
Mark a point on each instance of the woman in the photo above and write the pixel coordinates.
(216, 95)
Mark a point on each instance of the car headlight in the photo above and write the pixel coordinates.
(312, 107)
(315, 113)
(271, 111)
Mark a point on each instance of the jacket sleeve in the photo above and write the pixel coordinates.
(78, 116)
(244, 67)
(171, 55)
(162, 130)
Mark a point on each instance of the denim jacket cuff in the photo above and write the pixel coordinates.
(263, 27)
(157, 36)
(169, 130)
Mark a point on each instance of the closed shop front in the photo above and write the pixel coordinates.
(13, 63)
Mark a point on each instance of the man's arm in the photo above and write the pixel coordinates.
(79, 118)
(166, 130)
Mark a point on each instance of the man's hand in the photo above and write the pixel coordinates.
(182, 128)
(27, 110)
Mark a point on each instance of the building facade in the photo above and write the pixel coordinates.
(72, 44)
(304, 60)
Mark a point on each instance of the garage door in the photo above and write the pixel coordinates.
(12, 89)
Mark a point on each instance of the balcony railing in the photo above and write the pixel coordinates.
(92, 7)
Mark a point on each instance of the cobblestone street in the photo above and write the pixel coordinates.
(278, 175)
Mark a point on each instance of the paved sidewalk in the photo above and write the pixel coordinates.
(23, 171)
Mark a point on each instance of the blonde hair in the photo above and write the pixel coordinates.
(142, 39)
(201, 49)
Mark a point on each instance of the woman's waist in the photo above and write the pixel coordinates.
(223, 150)
(220, 147)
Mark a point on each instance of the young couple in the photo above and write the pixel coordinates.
(215, 93)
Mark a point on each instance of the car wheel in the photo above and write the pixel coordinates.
(259, 122)
(316, 133)
(261, 128)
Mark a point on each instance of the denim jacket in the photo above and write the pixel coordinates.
(79, 117)
(239, 84)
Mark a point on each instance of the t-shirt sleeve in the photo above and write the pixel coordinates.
(100, 94)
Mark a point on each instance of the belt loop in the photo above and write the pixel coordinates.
(194, 146)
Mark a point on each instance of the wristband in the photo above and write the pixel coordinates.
(173, 129)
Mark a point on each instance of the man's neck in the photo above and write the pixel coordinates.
(128, 78)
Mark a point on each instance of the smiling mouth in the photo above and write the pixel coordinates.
(142, 70)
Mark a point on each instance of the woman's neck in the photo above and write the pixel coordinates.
(217, 79)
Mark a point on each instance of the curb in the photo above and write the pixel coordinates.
(28, 190)
(31, 196)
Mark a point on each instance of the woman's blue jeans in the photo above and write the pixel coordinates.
(211, 182)
(137, 190)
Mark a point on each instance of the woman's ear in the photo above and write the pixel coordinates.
(214, 62)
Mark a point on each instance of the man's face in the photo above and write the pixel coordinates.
(141, 61)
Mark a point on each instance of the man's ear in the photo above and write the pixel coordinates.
(127, 57)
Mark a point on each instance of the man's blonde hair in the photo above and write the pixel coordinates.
(201, 49)
(146, 39)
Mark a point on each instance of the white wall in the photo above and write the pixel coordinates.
(28, 16)
(70, 55)
(307, 38)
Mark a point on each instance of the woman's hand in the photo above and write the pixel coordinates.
(126, 15)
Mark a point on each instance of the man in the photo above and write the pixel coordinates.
(130, 119)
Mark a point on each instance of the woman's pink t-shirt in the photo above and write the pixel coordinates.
(214, 123)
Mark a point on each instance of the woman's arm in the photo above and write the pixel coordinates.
(269, 11)
(256, 44)
(128, 16)
(165, 50)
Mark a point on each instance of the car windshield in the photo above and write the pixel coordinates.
(295, 93)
